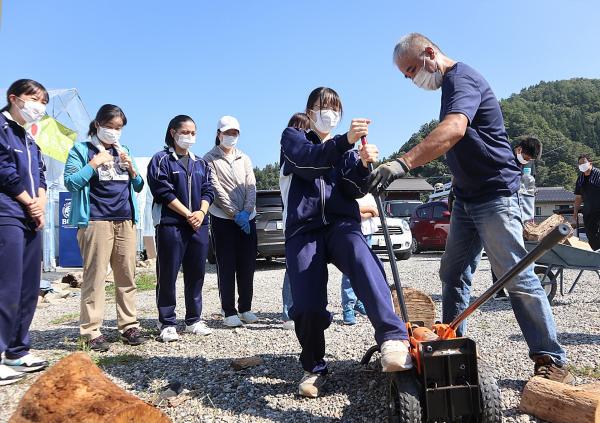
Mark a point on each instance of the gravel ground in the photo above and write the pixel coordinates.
(267, 393)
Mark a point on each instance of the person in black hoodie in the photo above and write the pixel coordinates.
(320, 178)
(22, 204)
(181, 185)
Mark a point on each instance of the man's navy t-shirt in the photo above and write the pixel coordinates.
(482, 162)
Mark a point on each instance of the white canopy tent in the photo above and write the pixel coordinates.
(65, 106)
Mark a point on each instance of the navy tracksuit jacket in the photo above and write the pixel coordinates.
(177, 244)
(21, 169)
(320, 182)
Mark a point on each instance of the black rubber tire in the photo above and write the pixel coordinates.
(491, 398)
(404, 405)
(414, 246)
(404, 256)
(549, 286)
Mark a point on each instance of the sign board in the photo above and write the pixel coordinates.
(68, 249)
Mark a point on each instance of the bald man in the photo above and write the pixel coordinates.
(486, 180)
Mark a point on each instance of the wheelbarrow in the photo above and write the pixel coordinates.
(446, 383)
(551, 266)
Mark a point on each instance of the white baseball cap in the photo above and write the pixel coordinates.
(228, 122)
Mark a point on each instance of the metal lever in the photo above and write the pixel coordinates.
(557, 235)
(390, 247)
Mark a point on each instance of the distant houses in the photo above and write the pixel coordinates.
(551, 199)
(408, 189)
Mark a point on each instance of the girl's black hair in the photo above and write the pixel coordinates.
(105, 114)
(300, 121)
(175, 124)
(27, 87)
(325, 98)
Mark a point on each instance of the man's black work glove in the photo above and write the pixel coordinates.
(385, 174)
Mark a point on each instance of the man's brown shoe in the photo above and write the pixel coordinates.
(546, 367)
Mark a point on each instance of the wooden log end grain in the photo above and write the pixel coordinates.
(76, 390)
(419, 305)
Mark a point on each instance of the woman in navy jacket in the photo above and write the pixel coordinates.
(320, 178)
(182, 190)
(22, 204)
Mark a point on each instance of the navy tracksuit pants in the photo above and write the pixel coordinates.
(178, 245)
(20, 272)
(235, 252)
(307, 255)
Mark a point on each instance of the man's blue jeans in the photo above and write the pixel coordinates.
(349, 299)
(496, 225)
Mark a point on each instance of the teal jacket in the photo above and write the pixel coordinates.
(78, 174)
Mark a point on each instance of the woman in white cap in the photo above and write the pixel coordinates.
(232, 222)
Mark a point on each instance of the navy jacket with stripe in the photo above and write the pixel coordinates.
(319, 181)
(168, 179)
(21, 168)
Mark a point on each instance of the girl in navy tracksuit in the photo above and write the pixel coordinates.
(320, 178)
(22, 204)
(182, 190)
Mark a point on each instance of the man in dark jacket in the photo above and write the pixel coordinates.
(587, 190)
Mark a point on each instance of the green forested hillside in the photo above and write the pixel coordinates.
(564, 115)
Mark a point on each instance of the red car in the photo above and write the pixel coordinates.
(429, 225)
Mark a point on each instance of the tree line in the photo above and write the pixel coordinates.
(564, 115)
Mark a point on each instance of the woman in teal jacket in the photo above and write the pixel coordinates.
(104, 179)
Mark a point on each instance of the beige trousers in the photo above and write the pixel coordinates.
(102, 243)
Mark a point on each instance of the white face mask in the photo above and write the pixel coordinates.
(427, 80)
(521, 159)
(327, 119)
(185, 141)
(32, 111)
(229, 141)
(584, 167)
(108, 135)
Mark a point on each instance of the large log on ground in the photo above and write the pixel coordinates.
(76, 390)
(420, 306)
(560, 403)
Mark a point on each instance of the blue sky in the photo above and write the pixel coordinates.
(258, 60)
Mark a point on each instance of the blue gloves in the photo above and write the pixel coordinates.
(242, 219)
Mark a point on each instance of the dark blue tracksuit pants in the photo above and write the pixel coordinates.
(307, 255)
(20, 271)
(178, 245)
(235, 252)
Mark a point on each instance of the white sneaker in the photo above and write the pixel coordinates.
(311, 384)
(169, 334)
(9, 376)
(395, 356)
(28, 363)
(198, 328)
(232, 321)
(288, 325)
(248, 317)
